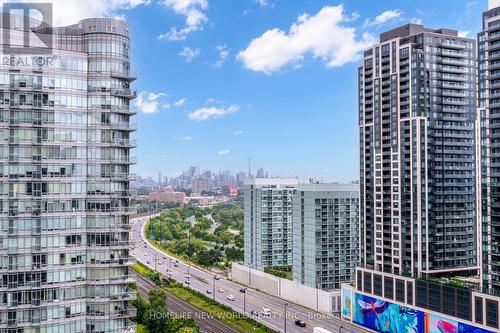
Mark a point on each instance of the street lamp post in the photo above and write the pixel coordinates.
(213, 288)
(317, 296)
(284, 318)
(244, 292)
(340, 329)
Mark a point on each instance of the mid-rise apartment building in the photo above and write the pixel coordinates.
(417, 106)
(64, 181)
(325, 221)
(268, 217)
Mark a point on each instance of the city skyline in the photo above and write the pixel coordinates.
(194, 92)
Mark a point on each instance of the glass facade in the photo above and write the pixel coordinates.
(325, 220)
(268, 217)
(65, 141)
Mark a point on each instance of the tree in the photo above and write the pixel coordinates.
(142, 306)
(187, 325)
(157, 317)
(154, 276)
(233, 254)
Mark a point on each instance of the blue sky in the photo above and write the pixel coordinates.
(222, 80)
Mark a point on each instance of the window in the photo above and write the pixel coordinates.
(491, 313)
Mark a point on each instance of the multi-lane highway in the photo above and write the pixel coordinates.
(251, 301)
(180, 308)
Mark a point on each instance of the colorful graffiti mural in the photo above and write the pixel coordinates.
(383, 316)
(438, 324)
(465, 328)
(346, 303)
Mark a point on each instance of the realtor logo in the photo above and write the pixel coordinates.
(27, 28)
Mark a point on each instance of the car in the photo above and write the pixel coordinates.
(145, 254)
(148, 262)
(176, 265)
(221, 290)
(230, 297)
(300, 323)
(187, 282)
(254, 313)
(216, 277)
(187, 276)
(209, 291)
(243, 290)
(159, 262)
(145, 247)
(169, 272)
(266, 312)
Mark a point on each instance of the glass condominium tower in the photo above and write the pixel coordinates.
(417, 107)
(65, 141)
(268, 214)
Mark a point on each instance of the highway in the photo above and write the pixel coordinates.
(252, 300)
(180, 308)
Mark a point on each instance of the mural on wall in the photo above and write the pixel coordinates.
(438, 324)
(346, 303)
(383, 316)
(465, 328)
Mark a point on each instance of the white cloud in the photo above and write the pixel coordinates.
(147, 102)
(189, 54)
(223, 54)
(206, 113)
(212, 100)
(238, 132)
(68, 12)
(416, 20)
(193, 10)
(322, 35)
(463, 33)
(387, 16)
(223, 152)
(180, 102)
(183, 138)
(263, 3)
(177, 103)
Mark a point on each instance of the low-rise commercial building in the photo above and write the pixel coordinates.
(165, 196)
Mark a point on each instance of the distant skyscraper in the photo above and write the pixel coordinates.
(260, 173)
(417, 103)
(268, 222)
(66, 169)
(325, 219)
(159, 179)
(489, 110)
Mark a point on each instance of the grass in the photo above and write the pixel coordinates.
(219, 311)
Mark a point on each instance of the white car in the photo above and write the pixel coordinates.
(187, 276)
(221, 290)
(230, 297)
(266, 312)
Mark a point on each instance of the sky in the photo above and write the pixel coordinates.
(220, 81)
